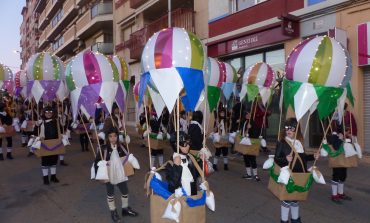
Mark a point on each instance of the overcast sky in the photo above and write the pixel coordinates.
(10, 22)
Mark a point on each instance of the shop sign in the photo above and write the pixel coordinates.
(363, 40)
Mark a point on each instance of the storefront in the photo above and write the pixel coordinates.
(269, 44)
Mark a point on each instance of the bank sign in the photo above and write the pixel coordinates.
(363, 44)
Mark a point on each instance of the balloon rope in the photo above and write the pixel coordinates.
(307, 124)
(331, 130)
(249, 125)
(38, 114)
(255, 108)
(97, 139)
(125, 130)
(88, 135)
(218, 117)
(240, 114)
(178, 124)
(204, 124)
(324, 137)
(281, 116)
(295, 138)
(147, 130)
(32, 110)
(65, 122)
(350, 120)
(264, 118)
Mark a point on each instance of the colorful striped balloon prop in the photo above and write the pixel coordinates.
(124, 72)
(174, 60)
(21, 80)
(93, 78)
(214, 82)
(228, 72)
(45, 74)
(258, 79)
(6, 79)
(318, 73)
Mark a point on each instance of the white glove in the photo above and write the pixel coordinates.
(160, 136)
(101, 135)
(134, 162)
(203, 186)
(121, 138)
(263, 142)
(178, 192)
(284, 175)
(2, 130)
(323, 152)
(246, 141)
(269, 162)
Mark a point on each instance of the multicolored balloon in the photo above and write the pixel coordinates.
(319, 60)
(6, 79)
(21, 80)
(228, 72)
(174, 59)
(93, 78)
(214, 82)
(123, 71)
(45, 74)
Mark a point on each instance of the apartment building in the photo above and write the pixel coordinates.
(135, 21)
(65, 27)
(243, 32)
(29, 32)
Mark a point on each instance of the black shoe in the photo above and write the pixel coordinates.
(62, 163)
(24, 144)
(265, 150)
(30, 154)
(226, 167)
(1, 157)
(129, 212)
(281, 221)
(344, 197)
(115, 216)
(54, 179)
(257, 178)
(46, 180)
(336, 199)
(298, 220)
(215, 167)
(9, 156)
(247, 177)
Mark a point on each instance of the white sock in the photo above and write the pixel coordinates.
(226, 160)
(152, 158)
(1, 150)
(61, 157)
(30, 149)
(160, 160)
(341, 188)
(294, 209)
(124, 199)
(255, 172)
(9, 150)
(284, 213)
(215, 160)
(111, 204)
(334, 188)
(45, 171)
(249, 171)
(53, 170)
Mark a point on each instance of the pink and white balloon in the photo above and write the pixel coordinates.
(93, 78)
(21, 80)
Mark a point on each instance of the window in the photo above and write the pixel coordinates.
(57, 18)
(237, 5)
(313, 2)
(276, 59)
(252, 59)
(58, 43)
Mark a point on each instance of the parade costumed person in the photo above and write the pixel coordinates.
(183, 173)
(183, 122)
(337, 139)
(289, 148)
(7, 120)
(260, 122)
(113, 152)
(155, 127)
(221, 128)
(196, 131)
(249, 160)
(48, 129)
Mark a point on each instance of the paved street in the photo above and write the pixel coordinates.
(23, 197)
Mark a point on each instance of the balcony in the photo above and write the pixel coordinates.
(182, 17)
(42, 20)
(69, 42)
(99, 17)
(104, 48)
(137, 3)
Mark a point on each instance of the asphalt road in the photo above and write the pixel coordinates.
(23, 197)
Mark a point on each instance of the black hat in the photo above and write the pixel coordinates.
(291, 122)
(183, 139)
(198, 116)
(111, 130)
(2, 106)
(48, 109)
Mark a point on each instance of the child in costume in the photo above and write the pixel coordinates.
(339, 173)
(48, 129)
(250, 161)
(113, 152)
(183, 173)
(221, 126)
(183, 122)
(6, 119)
(155, 127)
(286, 151)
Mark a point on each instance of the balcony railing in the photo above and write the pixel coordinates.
(137, 3)
(104, 48)
(70, 34)
(68, 6)
(101, 9)
(182, 17)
